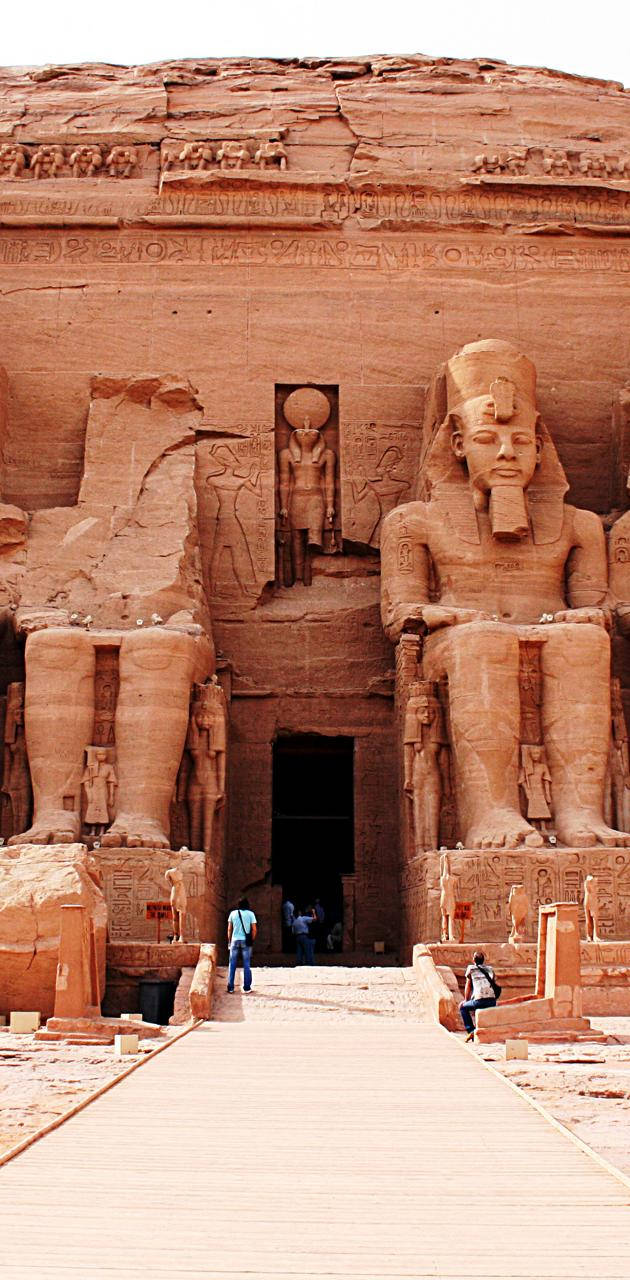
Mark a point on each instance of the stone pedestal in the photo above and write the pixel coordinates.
(134, 877)
(485, 876)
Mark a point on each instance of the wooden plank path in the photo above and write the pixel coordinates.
(371, 1147)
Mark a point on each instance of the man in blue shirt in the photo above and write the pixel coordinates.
(241, 931)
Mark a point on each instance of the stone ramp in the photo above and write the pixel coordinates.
(366, 1147)
(319, 991)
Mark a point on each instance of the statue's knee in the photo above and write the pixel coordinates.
(155, 650)
(57, 649)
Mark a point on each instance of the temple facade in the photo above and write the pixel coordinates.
(233, 297)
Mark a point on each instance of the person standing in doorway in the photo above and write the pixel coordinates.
(301, 929)
(241, 931)
(288, 916)
(320, 928)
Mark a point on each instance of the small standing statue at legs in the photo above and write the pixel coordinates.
(518, 906)
(424, 743)
(591, 908)
(448, 892)
(206, 744)
(99, 783)
(179, 901)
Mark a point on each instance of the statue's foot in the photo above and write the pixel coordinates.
(503, 829)
(57, 826)
(583, 830)
(134, 831)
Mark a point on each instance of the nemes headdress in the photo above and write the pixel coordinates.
(497, 369)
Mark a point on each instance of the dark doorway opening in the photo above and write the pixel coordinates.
(313, 821)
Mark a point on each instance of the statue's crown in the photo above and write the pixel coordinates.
(472, 371)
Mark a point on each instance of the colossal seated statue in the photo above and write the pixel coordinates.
(110, 598)
(492, 560)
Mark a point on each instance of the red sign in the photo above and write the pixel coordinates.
(463, 910)
(158, 910)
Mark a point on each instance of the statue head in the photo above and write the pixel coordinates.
(491, 398)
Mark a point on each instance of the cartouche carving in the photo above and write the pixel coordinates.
(503, 550)
(307, 470)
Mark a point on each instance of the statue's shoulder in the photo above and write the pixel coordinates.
(621, 526)
(586, 524)
(414, 516)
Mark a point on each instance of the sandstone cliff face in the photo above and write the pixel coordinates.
(34, 884)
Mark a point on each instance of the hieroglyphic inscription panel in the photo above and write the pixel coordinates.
(131, 878)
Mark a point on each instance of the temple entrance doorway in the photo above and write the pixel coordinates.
(313, 823)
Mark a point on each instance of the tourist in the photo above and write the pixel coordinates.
(479, 992)
(305, 944)
(335, 937)
(320, 931)
(241, 931)
(288, 916)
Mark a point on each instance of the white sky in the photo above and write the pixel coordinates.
(588, 37)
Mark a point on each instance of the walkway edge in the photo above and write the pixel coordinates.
(92, 1097)
(538, 1106)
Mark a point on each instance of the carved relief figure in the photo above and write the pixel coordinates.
(385, 485)
(591, 908)
(85, 161)
(228, 476)
(121, 162)
(518, 906)
(307, 469)
(179, 901)
(204, 782)
(17, 778)
(197, 155)
(271, 152)
(448, 896)
(535, 779)
(496, 502)
(12, 160)
(99, 784)
(46, 162)
(424, 749)
(233, 155)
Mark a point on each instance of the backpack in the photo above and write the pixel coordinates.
(493, 983)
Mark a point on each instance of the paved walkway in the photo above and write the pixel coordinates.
(357, 1145)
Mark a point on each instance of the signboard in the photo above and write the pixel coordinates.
(158, 910)
(463, 912)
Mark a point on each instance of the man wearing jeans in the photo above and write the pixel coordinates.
(478, 993)
(242, 927)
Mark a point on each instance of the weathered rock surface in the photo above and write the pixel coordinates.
(34, 884)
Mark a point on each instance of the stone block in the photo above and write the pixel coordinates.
(24, 1022)
(131, 1017)
(379, 948)
(516, 1049)
(125, 1044)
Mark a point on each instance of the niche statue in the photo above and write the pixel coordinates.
(307, 470)
(494, 556)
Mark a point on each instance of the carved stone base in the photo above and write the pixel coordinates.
(134, 877)
(485, 877)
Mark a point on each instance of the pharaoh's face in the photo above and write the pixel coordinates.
(497, 453)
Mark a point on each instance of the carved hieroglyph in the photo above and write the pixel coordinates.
(511, 561)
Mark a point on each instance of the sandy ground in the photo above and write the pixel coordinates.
(586, 1087)
(40, 1082)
